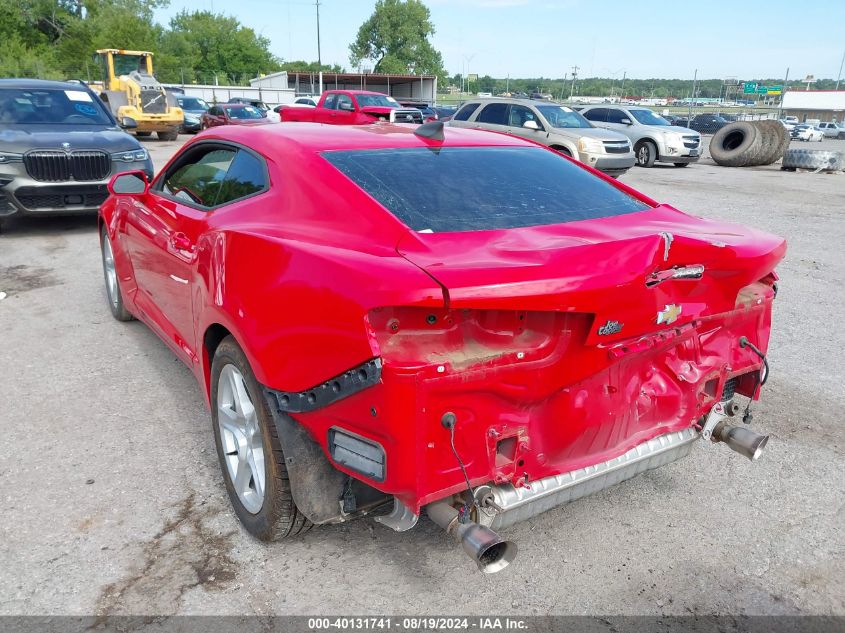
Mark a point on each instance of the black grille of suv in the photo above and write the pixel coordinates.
(691, 142)
(56, 166)
(616, 147)
(153, 101)
(61, 197)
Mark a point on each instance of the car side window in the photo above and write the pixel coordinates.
(596, 114)
(342, 99)
(616, 116)
(330, 101)
(199, 179)
(494, 113)
(245, 177)
(520, 114)
(466, 112)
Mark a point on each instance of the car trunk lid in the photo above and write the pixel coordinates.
(619, 269)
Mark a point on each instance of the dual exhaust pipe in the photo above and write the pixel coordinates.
(489, 551)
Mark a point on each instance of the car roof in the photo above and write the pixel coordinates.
(44, 84)
(517, 100)
(313, 137)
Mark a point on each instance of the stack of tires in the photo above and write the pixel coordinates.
(749, 143)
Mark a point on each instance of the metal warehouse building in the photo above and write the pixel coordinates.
(410, 87)
(824, 105)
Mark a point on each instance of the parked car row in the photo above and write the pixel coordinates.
(554, 125)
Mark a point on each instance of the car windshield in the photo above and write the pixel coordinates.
(192, 103)
(647, 117)
(382, 101)
(561, 116)
(481, 188)
(246, 112)
(47, 106)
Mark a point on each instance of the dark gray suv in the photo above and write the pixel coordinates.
(59, 146)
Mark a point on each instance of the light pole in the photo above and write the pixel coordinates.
(319, 58)
(464, 81)
(839, 76)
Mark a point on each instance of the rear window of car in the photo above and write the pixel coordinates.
(466, 112)
(481, 188)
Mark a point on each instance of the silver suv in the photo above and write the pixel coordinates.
(557, 126)
(654, 138)
(832, 130)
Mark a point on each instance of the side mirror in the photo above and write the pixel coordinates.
(531, 125)
(128, 123)
(129, 183)
(345, 105)
(626, 121)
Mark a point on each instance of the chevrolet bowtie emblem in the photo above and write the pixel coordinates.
(669, 314)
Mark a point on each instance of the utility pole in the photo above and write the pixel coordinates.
(622, 90)
(689, 107)
(319, 58)
(839, 76)
(574, 77)
(783, 93)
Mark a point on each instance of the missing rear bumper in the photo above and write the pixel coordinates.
(505, 505)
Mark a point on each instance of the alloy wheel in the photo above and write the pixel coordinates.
(111, 273)
(241, 439)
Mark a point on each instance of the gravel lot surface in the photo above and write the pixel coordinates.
(113, 500)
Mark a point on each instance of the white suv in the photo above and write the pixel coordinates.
(654, 138)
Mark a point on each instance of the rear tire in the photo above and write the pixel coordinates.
(113, 292)
(237, 395)
(169, 135)
(646, 152)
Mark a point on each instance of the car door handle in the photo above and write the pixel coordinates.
(180, 242)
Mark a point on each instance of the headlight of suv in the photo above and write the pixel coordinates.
(8, 157)
(131, 156)
(590, 145)
(191, 118)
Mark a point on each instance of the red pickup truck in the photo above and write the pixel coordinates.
(352, 107)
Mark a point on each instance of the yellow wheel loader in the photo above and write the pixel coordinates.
(130, 90)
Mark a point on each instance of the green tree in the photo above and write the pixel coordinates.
(395, 37)
(315, 67)
(216, 46)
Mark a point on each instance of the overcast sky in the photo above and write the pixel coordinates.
(530, 38)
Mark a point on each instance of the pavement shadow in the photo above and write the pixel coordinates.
(31, 225)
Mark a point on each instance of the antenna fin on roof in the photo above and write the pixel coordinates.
(432, 130)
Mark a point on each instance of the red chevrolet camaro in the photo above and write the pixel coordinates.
(390, 319)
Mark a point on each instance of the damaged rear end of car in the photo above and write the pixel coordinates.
(585, 335)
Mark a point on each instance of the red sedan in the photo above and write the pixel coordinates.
(232, 114)
(452, 320)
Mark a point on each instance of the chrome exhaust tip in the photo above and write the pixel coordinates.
(742, 440)
(490, 552)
